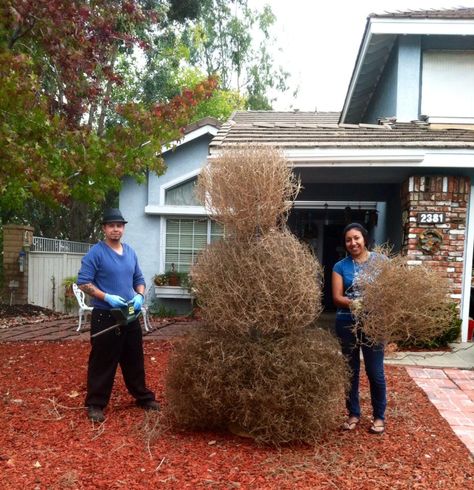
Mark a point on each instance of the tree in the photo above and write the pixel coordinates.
(226, 38)
(58, 69)
(221, 104)
(231, 39)
(78, 110)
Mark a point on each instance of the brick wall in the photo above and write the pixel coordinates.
(437, 195)
(15, 237)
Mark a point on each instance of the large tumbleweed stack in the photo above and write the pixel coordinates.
(256, 364)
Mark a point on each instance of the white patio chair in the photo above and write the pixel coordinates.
(83, 308)
(145, 310)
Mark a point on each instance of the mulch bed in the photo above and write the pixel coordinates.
(46, 441)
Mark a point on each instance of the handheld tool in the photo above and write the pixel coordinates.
(123, 316)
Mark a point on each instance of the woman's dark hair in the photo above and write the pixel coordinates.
(359, 227)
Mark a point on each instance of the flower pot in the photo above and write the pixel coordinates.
(173, 280)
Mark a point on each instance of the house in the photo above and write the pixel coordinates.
(166, 226)
(398, 157)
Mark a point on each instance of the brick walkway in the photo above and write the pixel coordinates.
(452, 392)
(65, 329)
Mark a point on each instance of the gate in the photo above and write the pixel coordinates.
(49, 263)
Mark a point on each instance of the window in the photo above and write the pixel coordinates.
(185, 238)
(448, 81)
(182, 194)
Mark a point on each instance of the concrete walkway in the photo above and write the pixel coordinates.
(446, 377)
(461, 356)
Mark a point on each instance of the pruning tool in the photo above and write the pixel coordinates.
(123, 316)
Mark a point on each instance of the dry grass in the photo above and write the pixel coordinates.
(402, 303)
(151, 428)
(272, 284)
(276, 389)
(248, 190)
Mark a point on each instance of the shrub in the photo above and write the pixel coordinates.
(451, 334)
(157, 309)
(68, 298)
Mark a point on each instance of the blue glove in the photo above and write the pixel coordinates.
(138, 301)
(115, 301)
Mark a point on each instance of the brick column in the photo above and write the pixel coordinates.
(436, 194)
(16, 238)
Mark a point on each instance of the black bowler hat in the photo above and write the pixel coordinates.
(113, 215)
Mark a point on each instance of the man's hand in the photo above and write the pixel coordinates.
(115, 301)
(138, 301)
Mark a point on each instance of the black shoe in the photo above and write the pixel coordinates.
(150, 405)
(95, 414)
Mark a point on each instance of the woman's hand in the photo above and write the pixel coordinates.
(356, 306)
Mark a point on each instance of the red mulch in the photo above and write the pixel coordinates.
(46, 441)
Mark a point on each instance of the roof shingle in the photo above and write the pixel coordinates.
(310, 130)
(453, 13)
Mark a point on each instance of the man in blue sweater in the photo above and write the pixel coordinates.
(110, 274)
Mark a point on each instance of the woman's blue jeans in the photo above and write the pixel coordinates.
(373, 360)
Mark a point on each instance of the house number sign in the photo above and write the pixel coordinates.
(430, 218)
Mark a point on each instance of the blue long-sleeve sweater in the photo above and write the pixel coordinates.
(110, 272)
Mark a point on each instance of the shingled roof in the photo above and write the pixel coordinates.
(313, 130)
(453, 13)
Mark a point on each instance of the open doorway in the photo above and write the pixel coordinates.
(322, 230)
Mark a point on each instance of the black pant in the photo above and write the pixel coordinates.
(123, 346)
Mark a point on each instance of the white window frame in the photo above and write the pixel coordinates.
(434, 115)
(175, 210)
(163, 219)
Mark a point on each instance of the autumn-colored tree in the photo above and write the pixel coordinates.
(58, 72)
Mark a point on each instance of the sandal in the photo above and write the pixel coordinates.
(377, 427)
(350, 423)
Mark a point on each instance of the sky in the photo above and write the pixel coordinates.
(319, 42)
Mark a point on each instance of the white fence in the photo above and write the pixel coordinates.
(41, 244)
(49, 263)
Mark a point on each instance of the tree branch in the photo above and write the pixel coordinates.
(18, 34)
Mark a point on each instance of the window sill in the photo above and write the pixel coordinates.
(459, 121)
(173, 292)
(169, 210)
